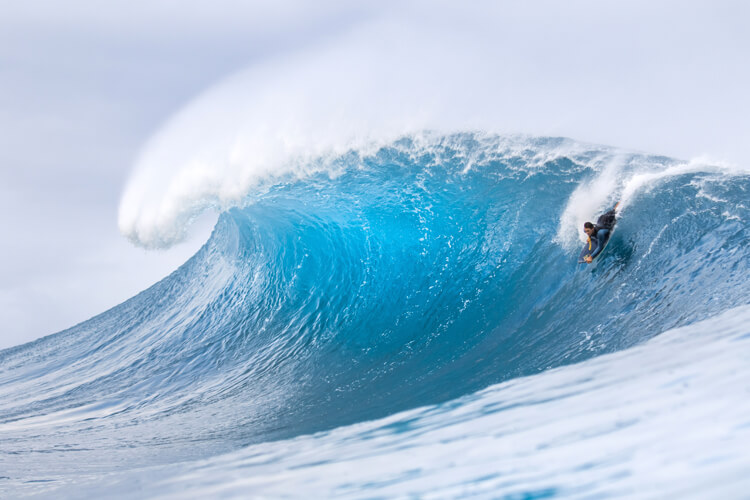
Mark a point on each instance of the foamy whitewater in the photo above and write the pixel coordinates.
(407, 319)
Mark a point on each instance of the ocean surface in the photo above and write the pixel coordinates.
(409, 320)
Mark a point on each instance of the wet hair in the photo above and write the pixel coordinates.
(588, 225)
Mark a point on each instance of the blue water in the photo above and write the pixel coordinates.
(411, 277)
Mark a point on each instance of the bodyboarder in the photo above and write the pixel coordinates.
(598, 234)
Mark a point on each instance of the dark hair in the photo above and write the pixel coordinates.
(588, 225)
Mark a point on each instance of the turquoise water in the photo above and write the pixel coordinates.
(407, 279)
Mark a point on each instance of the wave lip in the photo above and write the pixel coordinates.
(284, 119)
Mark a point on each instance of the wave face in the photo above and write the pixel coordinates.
(416, 274)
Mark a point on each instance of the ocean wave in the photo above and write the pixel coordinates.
(421, 272)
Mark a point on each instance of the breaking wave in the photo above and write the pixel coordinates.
(381, 280)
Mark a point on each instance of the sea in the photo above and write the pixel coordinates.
(408, 320)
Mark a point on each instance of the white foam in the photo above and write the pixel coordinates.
(589, 199)
(624, 179)
(275, 120)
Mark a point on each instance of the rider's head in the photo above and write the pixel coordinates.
(588, 228)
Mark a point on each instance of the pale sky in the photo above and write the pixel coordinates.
(84, 85)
